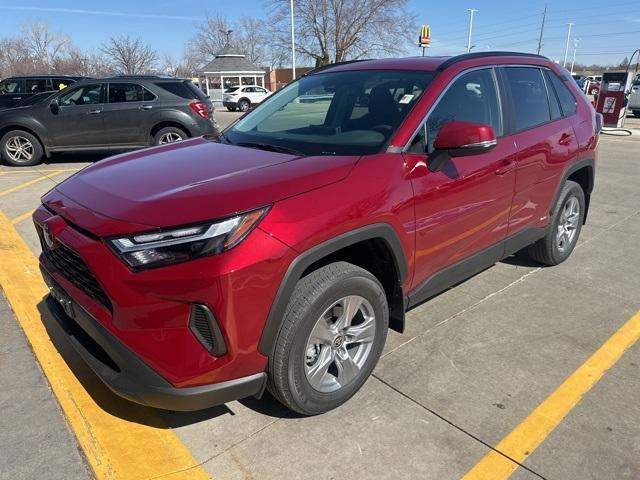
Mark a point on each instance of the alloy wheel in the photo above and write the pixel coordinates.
(169, 137)
(19, 149)
(568, 224)
(340, 344)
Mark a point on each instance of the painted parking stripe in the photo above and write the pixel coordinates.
(29, 183)
(39, 171)
(122, 440)
(513, 449)
(20, 218)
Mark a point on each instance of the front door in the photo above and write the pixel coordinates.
(77, 120)
(461, 211)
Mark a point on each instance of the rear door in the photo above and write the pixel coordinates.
(127, 113)
(77, 122)
(11, 91)
(546, 142)
(463, 209)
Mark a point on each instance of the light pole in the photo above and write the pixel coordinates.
(293, 45)
(566, 49)
(575, 48)
(471, 12)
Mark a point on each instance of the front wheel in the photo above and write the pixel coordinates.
(244, 105)
(636, 113)
(332, 335)
(564, 230)
(20, 148)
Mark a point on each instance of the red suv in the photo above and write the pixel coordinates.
(279, 254)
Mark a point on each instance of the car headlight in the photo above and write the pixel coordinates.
(147, 250)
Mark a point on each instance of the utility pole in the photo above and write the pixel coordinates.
(575, 48)
(471, 12)
(293, 46)
(566, 49)
(544, 17)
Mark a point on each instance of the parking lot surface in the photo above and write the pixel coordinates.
(520, 371)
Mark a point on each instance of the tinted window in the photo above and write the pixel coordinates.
(529, 94)
(10, 86)
(84, 95)
(316, 114)
(128, 92)
(182, 89)
(567, 100)
(471, 98)
(554, 104)
(231, 89)
(36, 85)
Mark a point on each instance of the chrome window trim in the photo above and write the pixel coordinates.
(442, 94)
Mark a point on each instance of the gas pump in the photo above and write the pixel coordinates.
(613, 97)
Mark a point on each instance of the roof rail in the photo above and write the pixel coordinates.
(331, 65)
(471, 56)
(142, 75)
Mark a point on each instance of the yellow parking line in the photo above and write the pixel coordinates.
(29, 183)
(500, 463)
(122, 440)
(19, 218)
(38, 171)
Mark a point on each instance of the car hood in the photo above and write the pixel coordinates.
(194, 181)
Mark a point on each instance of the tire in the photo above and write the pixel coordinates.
(594, 91)
(20, 148)
(244, 105)
(636, 113)
(325, 293)
(169, 135)
(553, 249)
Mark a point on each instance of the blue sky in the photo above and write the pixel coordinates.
(604, 36)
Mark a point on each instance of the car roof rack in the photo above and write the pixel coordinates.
(142, 75)
(470, 56)
(331, 65)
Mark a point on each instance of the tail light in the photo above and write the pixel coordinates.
(200, 108)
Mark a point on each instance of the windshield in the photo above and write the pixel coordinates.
(9, 86)
(334, 113)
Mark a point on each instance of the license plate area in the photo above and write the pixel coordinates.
(63, 300)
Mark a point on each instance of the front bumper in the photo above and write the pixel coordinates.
(123, 371)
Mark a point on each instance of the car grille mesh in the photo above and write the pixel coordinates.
(200, 322)
(69, 264)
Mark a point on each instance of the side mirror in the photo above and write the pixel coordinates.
(460, 139)
(54, 106)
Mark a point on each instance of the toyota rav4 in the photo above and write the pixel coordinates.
(279, 254)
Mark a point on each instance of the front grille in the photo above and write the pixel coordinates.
(71, 266)
(206, 330)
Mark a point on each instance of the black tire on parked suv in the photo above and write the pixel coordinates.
(169, 135)
(636, 113)
(331, 338)
(564, 229)
(20, 148)
(244, 105)
(231, 109)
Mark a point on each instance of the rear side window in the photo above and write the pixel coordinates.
(567, 100)
(128, 92)
(529, 94)
(61, 83)
(182, 89)
(36, 85)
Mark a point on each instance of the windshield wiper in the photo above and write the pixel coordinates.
(271, 148)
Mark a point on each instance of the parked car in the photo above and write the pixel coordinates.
(16, 89)
(580, 80)
(279, 254)
(595, 78)
(117, 113)
(594, 87)
(634, 99)
(244, 97)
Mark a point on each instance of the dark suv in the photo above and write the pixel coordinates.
(279, 255)
(13, 90)
(117, 113)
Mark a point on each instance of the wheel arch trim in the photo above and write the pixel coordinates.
(297, 267)
(587, 163)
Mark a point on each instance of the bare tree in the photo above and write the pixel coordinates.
(45, 47)
(212, 35)
(337, 30)
(129, 55)
(185, 66)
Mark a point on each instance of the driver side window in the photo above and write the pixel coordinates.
(471, 98)
(84, 95)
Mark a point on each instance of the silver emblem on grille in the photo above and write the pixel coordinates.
(46, 234)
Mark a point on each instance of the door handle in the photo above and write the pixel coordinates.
(506, 168)
(94, 112)
(146, 107)
(16, 98)
(565, 139)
